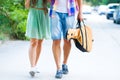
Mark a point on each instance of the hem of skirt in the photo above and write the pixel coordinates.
(39, 38)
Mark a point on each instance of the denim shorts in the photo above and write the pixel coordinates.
(60, 23)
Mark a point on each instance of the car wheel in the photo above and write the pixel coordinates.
(114, 21)
(108, 17)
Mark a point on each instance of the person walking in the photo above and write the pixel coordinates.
(37, 30)
(62, 14)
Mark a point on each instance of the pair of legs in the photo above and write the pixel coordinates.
(34, 51)
(57, 52)
(60, 23)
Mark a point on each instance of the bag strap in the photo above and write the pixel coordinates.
(51, 7)
(79, 26)
(79, 23)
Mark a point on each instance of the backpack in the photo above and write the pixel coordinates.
(82, 36)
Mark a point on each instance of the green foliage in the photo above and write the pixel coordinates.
(20, 24)
(3, 36)
(13, 17)
(19, 32)
(98, 2)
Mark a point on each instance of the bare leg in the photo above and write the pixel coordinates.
(38, 50)
(56, 52)
(32, 52)
(66, 49)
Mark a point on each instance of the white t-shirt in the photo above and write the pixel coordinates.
(61, 6)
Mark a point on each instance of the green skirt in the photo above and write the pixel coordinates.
(37, 24)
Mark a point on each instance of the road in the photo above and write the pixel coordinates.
(102, 63)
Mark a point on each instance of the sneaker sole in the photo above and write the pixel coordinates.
(32, 73)
(58, 77)
(65, 73)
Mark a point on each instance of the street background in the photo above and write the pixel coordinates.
(102, 63)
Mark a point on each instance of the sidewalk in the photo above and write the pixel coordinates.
(82, 66)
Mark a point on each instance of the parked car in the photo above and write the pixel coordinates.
(110, 10)
(102, 9)
(116, 15)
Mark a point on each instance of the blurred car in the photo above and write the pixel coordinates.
(110, 10)
(102, 9)
(116, 15)
(86, 9)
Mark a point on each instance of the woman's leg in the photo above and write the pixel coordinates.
(32, 52)
(38, 50)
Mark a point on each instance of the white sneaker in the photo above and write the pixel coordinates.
(37, 70)
(33, 71)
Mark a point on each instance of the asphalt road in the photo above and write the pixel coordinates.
(102, 63)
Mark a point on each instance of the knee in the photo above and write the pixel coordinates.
(66, 42)
(33, 43)
(56, 42)
(39, 42)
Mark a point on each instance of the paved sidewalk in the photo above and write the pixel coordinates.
(14, 64)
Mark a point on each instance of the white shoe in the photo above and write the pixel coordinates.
(37, 70)
(33, 71)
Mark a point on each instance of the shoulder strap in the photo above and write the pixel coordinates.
(51, 6)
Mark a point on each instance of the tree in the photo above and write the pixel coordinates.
(13, 18)
(98, 2)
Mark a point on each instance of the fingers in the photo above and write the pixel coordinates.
(79, 17)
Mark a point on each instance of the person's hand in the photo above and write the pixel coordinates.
(79, 16)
